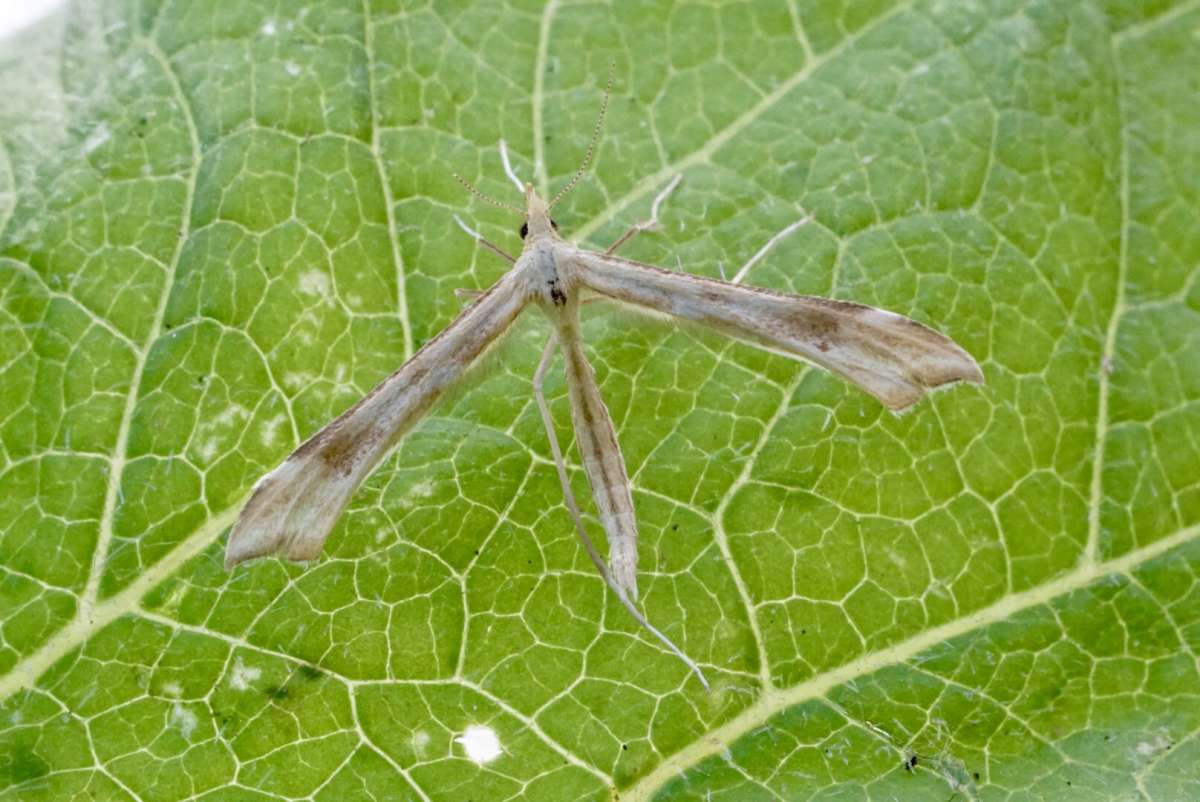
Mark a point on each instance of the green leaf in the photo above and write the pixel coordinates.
(222, 223)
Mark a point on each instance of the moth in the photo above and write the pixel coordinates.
(895, 359)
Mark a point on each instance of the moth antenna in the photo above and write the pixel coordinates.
(485, 198)
(591, 148)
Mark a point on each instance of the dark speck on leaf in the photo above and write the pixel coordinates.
(976, 775)
(309, 673)
(675, 527)
(276, 692)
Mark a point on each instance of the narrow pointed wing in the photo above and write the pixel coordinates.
(602, 460)
(294, 507)
(890, 356)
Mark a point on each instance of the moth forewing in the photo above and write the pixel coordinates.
(892, 357)
(294, 507)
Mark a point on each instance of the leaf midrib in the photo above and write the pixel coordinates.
(120, 451)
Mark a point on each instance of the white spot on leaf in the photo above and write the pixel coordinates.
(298, 380)
(243, 675)
(211, 435)
(270, 430)
(1149, 748)
(183, 719)
(419, 491)
(314, 282)
(480, 743)
(98, 136)
(207, 450)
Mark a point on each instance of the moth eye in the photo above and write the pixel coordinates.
(554, 225)
(524, 230)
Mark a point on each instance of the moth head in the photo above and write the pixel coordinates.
(537, 217)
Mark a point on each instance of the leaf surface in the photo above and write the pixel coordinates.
(221, 224)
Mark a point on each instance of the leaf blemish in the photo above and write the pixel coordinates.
(243, 675)
(310, 673)
(480, 743)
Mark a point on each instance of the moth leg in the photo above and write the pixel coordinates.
(479, 238)
(539, 377)
(573, 507)
(764, 250)
(508, 170)
(651, 223)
